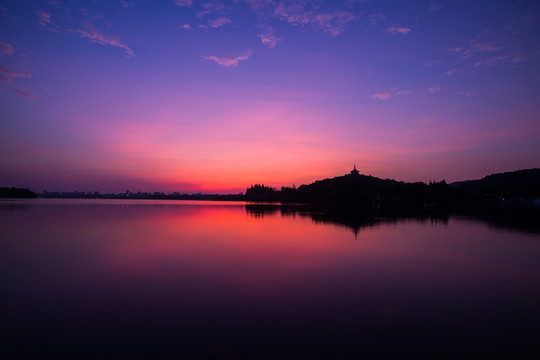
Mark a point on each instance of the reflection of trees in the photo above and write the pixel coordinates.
(353, 218)
(262, 210)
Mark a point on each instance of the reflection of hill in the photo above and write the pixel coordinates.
(526, 219)
(352, 218)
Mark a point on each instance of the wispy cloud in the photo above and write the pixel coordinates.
(435, 7)
(513, 58)
(96, 36)
(216, 6)
(305, 14)
(186, 26)
(384, 95)
(463, 93)
(431, 63)
(229, 61)
(451, 72)
(268, 38)
(219, 22)
(203, 13)
(44, 18)
(402, 92)
(475, 47)
(398, 30)
(434, 89)
(375, 18)
(24, 93)
(333, 23)
(6, 75)
(6, 48)
(54, 3)
(184, 2)
(126, 4)
(491, 48)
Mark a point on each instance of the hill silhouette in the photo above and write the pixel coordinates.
(355, 188)
(514, 184)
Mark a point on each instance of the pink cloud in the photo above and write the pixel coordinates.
(202, 13)
(434, 89)
(184, 2)
(24, 93)
(219, 22)
(519, 58)
(398, 30)
(126, 4)
(333, 23)
(216, 6)
(6, 48)
(229, 61)
(44, 18)
(403, 92)
(388, 94)
(382, 95)
(7, 76)
(186, 26)
(435, 7)
(451, 72)
(478, 47)
(95, 36)
(304, 14)
(269, 39)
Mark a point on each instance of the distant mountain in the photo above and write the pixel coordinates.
(521, 183)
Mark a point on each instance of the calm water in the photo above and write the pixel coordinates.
(151, 279)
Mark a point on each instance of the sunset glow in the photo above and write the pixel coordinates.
(213, 96)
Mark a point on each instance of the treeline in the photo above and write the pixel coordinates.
(140, 195)
(17, 193)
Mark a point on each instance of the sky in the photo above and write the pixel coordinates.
(213, 96)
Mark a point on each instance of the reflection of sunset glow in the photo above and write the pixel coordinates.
(259, 255)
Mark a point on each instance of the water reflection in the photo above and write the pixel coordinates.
(353, 219)
(192, 280)
(520, 218)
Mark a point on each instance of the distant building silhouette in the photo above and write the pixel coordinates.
(354, 172)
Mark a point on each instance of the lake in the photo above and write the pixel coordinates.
(188, 279)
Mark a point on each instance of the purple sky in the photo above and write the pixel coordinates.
(214, 96)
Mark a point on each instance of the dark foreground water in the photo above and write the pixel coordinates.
(176, 279)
